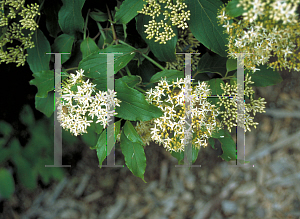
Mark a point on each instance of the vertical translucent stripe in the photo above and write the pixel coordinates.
(57, 127)
(240, 109)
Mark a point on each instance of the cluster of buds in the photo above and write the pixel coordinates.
(173, 13)
(186, 43)
(169, 130)
(14, 30)
(267, 28)
(77, 109)
(229, 100)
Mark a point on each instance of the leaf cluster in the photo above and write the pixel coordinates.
(138, 64)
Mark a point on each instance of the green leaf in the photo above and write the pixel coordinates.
(44, 173)
(51, 11)
(242, 161)
(117, 128)
(98, 127)
(134, 105)
(44, 81)
(134, 155)
(108, 39)
(88, 46)
(164, 52)
(214, 86)
(48, 173)
(68, 138)
(76, 56)
(101, 146)
(169, 74)
(37, 58)
(125, 32)
(7, 183)
(146, 70)
(98, 15)
(131, 133)
(195, 152)
(265, 77)
(218, 133)
(6, 130)
(128, 10)
(5, 154)
(233, 11)
(90, 138)
(212, 142)
(131, 80)
(70, 18)
(200, 77)
(231, 65)
(204, 25)
(26, 116)
(211, 64)
(101, 84)
(227, 144)
(178, 155)
(24, 172)
(95, 65)
(63, 44)
(45, 105)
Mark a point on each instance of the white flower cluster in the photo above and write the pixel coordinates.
(267, 29)
(79, 108)
(280, 10)
(203, 115)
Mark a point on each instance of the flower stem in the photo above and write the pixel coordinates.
(101, 30)
(140, 89)
(147, 57)
(127, 70)
(112, 25)
(69, 69)
(85, 25)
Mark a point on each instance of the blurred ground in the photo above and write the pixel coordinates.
(270, 189)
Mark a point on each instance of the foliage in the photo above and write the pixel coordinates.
(28, 160)
(145, 37)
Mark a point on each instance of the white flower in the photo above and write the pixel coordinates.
(154, 130)
(286, 51)
(228, 26)
(222, 17)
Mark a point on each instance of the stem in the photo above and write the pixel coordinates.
(69, 69)
(204, 72)
(147, 57)
(226, 74)
(127, 70)
(39, 16)
(85, 25)
(121, 73)
(96, 36)
(154, 62)
(140, 89)
(101, 30)
(227, 78)
(112, 25)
